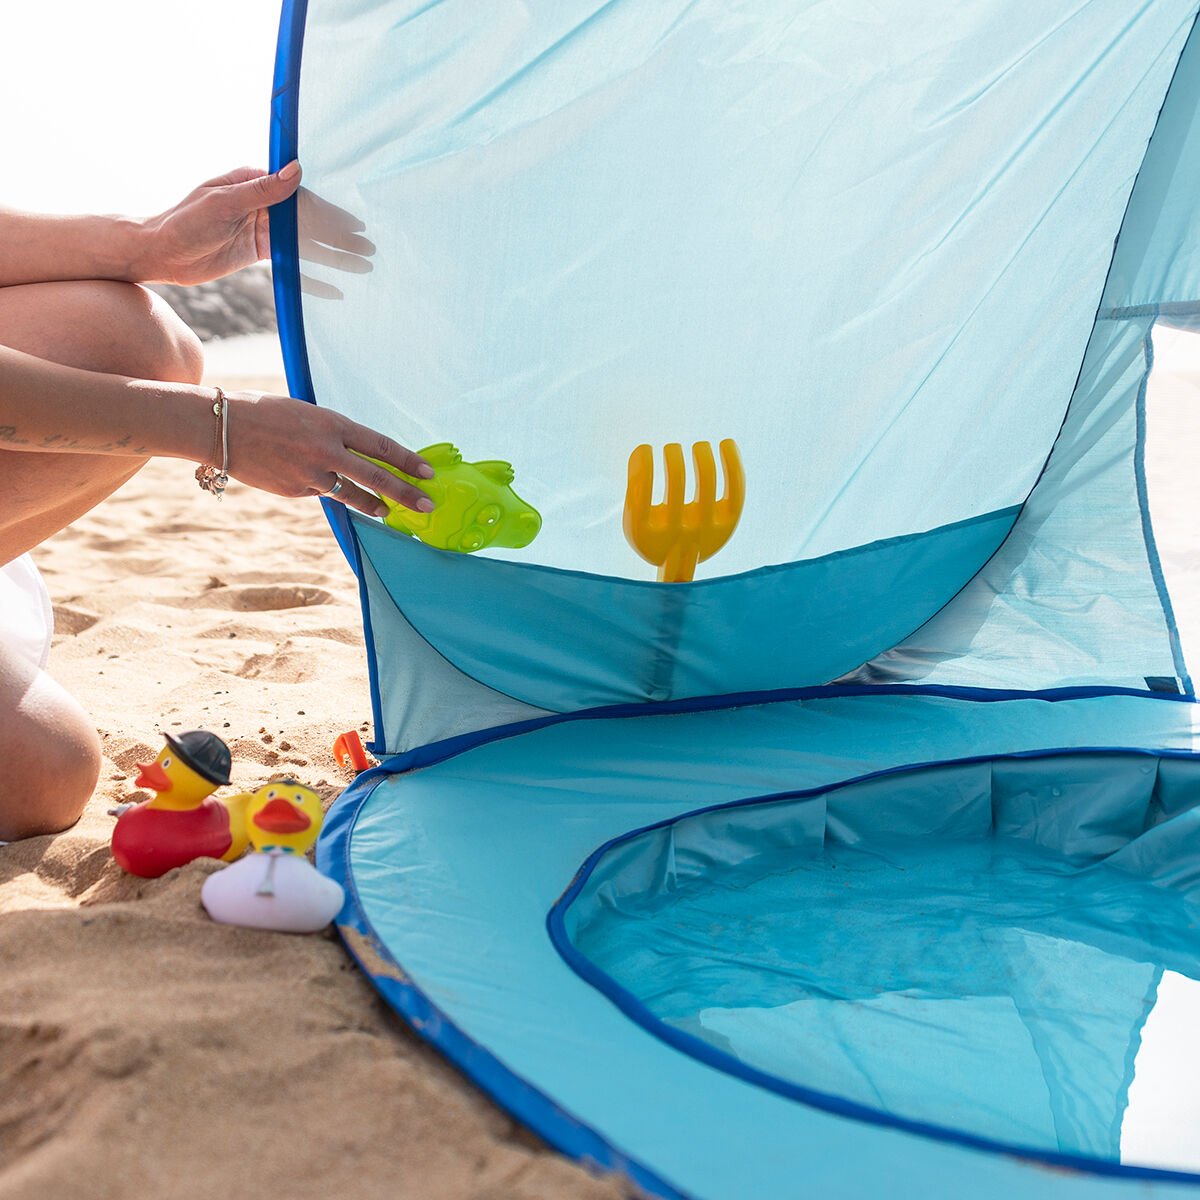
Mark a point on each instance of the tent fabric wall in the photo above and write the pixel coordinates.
(1085, 530)
(1075, 594)
(520, 179)
(939, 262)
(1156, 263)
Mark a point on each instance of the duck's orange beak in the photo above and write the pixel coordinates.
(151, 775)
(281, 817)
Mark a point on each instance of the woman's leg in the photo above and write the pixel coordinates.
(49, 751)
(97, 325)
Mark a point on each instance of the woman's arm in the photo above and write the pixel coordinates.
(218, 228)
(276, 443)
(39, 248)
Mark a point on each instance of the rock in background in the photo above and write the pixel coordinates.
(243, 302)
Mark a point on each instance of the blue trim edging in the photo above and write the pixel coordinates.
(285, 242)
(526, 1103)
(423, 756)
(373, 672)
(285, 249)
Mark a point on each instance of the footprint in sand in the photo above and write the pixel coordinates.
(283, 666)
(265, 598)
(72, 621)
(72, 868)
(248, 750)
(127, 758)
(119, 1053)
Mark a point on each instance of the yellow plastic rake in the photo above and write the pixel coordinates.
(674, 535)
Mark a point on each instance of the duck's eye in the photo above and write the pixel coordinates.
(272, 794)
(166, 762)
(299, 797)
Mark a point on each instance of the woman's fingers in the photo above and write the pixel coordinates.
(351, 495)
(384, 483)
(340, 260)
(291, 448)
(237, 175)
(378, 445)
(261, 191)
(361, 441)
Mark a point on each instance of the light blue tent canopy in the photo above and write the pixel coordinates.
(872, 854)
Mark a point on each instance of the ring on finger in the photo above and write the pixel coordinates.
(333, 491)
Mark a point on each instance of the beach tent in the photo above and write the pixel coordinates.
(868, 862)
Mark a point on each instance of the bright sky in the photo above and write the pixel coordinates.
(126, 105)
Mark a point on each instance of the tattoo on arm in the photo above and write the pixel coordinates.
(57, 441)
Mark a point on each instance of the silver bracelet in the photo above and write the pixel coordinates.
(210, 478)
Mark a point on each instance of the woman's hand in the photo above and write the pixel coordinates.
(291, 448)
(218, 228)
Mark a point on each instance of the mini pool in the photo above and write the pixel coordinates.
(1000, 952)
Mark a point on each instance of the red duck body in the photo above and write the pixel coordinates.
(150, 841)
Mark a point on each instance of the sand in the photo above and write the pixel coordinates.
(146, 1051)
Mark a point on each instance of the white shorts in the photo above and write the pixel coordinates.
(26, 618)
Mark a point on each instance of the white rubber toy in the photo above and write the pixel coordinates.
(272, 890)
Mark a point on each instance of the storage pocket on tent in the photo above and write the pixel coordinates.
(1004, 952)
(562, 640)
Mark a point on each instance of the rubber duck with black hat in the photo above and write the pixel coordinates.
(184, 820)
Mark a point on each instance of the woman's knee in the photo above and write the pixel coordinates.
(176, 353)
(101, 325)
(50, 751)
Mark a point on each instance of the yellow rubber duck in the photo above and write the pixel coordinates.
(184, 820)
(275, 886)
(283, 815)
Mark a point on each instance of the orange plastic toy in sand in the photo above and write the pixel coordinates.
(349, 747)
(674, 535)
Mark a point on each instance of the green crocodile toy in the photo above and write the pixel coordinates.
(476, 506)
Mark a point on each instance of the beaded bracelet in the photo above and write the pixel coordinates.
(210, 478)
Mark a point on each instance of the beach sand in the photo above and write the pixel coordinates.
(146, 1051)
